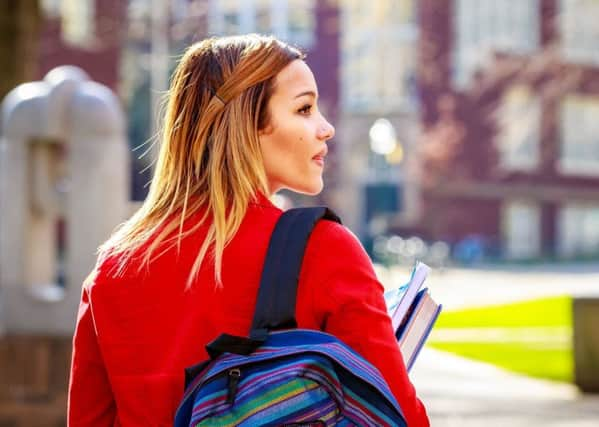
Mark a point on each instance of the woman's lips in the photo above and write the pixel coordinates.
(319, 160)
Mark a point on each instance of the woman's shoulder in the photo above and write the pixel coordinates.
(333, 245)
(336, 267)
(332, 234)
(107, 267)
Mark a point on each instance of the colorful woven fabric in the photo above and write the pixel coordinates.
(297, 378)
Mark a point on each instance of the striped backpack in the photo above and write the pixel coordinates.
(282, 375)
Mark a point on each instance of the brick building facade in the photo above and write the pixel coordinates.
(88, 34)
(509, 95)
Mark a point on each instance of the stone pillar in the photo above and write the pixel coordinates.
(63, 188)
(586, 343)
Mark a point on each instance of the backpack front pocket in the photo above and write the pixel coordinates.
(291, 391)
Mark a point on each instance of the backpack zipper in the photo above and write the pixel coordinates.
(234, 375)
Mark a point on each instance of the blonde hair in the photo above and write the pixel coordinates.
(209, 156)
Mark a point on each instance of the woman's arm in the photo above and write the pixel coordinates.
(349, 300)
(90, 397)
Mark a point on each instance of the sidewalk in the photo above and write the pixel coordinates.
(462, 392)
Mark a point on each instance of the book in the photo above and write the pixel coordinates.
(413, 313)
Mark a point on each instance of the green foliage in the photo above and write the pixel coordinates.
(545, 312)
(532, 360)
(530, 337)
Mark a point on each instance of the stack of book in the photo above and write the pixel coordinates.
(413, 313)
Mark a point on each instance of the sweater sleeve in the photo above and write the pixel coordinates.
(90, 400)
(348, 299)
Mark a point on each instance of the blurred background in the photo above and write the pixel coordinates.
(467, 137)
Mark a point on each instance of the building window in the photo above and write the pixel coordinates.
(578, 230)
(292, 21)
(519, 129)
(521, 229)
(78, 21)
(225, 18)
(51, 8)
(180, 9)
(482, 27)
(579, 30)
(378, 55)
(265, 17)
(579, 135)
(301, 23)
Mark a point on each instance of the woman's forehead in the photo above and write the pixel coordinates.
(295, 79)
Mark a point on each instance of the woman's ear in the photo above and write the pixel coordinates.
(267, 130)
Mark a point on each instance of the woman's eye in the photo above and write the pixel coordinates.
(305, 109)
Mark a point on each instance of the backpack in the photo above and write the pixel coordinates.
(282, 375)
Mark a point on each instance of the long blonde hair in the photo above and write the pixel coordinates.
(209, 156)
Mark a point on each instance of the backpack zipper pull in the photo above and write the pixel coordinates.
(234, 375)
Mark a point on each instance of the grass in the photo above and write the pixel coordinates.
(529, 337)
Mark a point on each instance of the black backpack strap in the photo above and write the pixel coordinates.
(275, 305)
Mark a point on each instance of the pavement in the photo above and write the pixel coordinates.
(462, 392)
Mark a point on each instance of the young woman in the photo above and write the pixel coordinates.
(242, 122)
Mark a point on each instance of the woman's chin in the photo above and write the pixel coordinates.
(309, 189)
(315, 189)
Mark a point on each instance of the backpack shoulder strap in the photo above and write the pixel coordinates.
(275, 305)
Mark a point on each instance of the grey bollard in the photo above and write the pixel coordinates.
(64, 163)
(586, 343)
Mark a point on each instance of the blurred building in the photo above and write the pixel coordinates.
(509, 91)
(489, 105)
(378, 85)
(85, 33)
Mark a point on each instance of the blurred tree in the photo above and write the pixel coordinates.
(19, 35)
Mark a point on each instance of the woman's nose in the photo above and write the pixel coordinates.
(327, 131)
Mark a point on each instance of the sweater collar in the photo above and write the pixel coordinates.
(261, 199)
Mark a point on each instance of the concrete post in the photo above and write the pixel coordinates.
(64, 186)
(586, 343)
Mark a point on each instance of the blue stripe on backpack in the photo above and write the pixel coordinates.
(282, 375)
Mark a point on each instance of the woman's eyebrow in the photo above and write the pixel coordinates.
(307, 92)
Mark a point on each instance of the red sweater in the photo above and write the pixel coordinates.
(136, 333)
